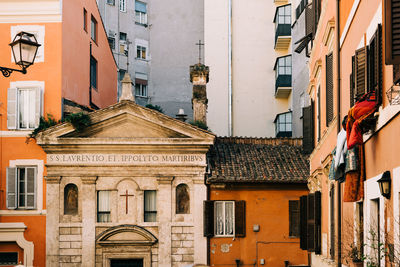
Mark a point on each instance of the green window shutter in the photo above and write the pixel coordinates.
(294, 218)
(208, 209)
(303, 222)
(329, 88)
(360, 72)
(12, 108)
(392, 31)
(308, 129)
(240, 218)
(30, 188)
(12, 188)
(38, 105)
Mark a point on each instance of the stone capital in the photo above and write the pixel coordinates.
(165, 180)
(52, 179)
(89, 180)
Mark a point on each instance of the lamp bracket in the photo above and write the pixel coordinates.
(7, 71)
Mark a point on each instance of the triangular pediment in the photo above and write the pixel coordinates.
(126, 120)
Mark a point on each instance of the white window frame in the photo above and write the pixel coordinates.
(13, 115)
(39, 164)
(141, 48)
(111, 2)
(142, 90)
(224, 203)
(122, 5)
(140, 16)
(103, 211)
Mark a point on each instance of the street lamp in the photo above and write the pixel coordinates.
(24, 49)
(384, 184)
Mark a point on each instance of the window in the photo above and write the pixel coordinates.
(141, 90)
(24, 108)
(300, 8)
(93, 72)
(283, 124)
(140, 52)
(21, 187)
(111, 42)
(8, 258)
(122, 36)
(140, 12)
(310, 222)
(329, 88)
(111, 2)
(121, 74)
(85, 20)
(150, 207)
(103, 206)
(319, 113)
(224, 218)
(294, 218)
(93, 29)
(308, 128)
(283, 66)
(283, 15)
(122, 5)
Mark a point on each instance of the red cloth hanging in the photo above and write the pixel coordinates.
(354, 185)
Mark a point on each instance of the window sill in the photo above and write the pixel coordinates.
(141, 96)
(142, 24)
(142, 59)
(16, 133)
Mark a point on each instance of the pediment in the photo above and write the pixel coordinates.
(126, 120)
(126, 235)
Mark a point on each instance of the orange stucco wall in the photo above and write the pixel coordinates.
(76, 56)
(267, 206)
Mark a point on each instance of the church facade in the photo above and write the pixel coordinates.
(128, 190)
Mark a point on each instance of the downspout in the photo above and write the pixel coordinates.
(339, 198)
(230, 110)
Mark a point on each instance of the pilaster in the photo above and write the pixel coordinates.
(52, 220)
(88, 220)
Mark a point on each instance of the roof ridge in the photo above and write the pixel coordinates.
(260, 140)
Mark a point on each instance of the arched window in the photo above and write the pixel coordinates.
(182, 199)
(71, 199)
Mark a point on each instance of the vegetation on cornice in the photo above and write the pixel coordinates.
(200, 125)
(155, 107)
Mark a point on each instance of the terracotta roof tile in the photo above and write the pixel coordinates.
(261, 160)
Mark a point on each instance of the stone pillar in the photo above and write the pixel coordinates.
(199, 78)
(88, 220)
(200, 242)
(164, 210)
(126, 92)
(52, 220)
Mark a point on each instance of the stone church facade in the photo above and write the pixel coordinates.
(128, 189)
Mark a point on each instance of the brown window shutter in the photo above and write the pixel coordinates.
(352, 81)
(360, 72)
(303, 222)
(310, 223)
(309, 16)
(240, 218)
(332, 221)
(308, 129)
(319, 112)
(317, 12)
(378, 64)
(317, 218)
(294, 218)
(208, 218)
(392, 31)
(329, 88)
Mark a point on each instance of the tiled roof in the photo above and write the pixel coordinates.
(260, 160)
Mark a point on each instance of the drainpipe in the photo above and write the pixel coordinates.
(230, 110)
(339, 198)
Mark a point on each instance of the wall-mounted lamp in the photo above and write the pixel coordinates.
(24, 49)
(237, 261)
(384, 184)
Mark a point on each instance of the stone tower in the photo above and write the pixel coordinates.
(199, 78)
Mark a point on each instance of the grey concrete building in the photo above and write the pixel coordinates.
(154, 40)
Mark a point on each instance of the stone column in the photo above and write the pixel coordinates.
(199, 77)
(164, 210)
(200, 242)
(52, 220)
(88, 220)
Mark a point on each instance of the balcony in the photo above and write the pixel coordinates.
(283, 86)
(283, 36)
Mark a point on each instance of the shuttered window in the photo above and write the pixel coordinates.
(319, 113)
(329, 88)
(309, 15)
(392, 31)
(375, 64)
(224, 218)
(352, 81)
(310, 222)
(21, 187)
(294, 218)
(360, 72)
(24, 108)
(308, 128)
(332, 221)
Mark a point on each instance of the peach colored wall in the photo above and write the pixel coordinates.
(12, 247)
(345, 7)
(267, 206)
(76, 56)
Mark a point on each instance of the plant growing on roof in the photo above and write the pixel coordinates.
(155, 107)
(200, 124)
(79, 120)
(44, 123)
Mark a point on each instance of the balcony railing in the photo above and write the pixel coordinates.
(283, 36)
(283, 85)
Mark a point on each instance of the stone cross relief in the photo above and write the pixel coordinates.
(126, 200)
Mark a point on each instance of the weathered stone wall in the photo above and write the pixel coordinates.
(182, 246)
(70, 243)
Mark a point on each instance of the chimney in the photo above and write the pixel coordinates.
(199, 78)
(181, 115)
(126, 93)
